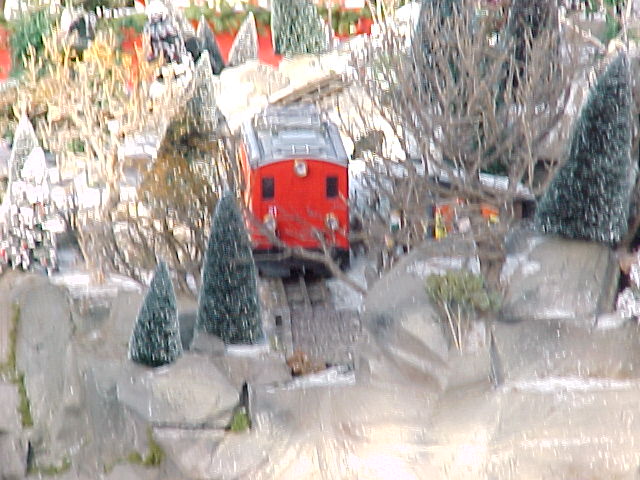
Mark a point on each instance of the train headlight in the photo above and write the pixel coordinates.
(269, 222)
(331, 221)
(300, 168)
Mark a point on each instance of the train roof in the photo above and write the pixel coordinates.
(293, 131)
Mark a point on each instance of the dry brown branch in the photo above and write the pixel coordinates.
(93, 104)
(454, 106)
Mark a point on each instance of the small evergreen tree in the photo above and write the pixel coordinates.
(208, 42)
(155, 340)
(202, 108)
(297, 28)
(589, 196)
(24, 141)
(228, 304)
(245, 45)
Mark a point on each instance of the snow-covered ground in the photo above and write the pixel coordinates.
(80, 284)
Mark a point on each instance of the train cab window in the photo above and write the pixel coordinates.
(332, 187)
(268, 188)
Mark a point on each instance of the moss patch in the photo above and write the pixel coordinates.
(9, 369)
(24, 408)
(154, 456)
(240, 421)
(51, 470)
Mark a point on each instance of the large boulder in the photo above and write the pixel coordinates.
(189, 393)
(548, 277)
(13, 457)
(557, 348)
(408, 338)
(44, 330)
(190, 450)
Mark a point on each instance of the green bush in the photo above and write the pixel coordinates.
(28, 30)
(460, 295)
(462, 289)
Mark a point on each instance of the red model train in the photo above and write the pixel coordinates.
(297, 190)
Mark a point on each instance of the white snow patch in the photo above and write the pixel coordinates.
(440, 265)
(247, 350)
(520, 261)
(80, 284)
(570, 384)
(530, 268)
(344, 297)
(609, 321)
(338, 375)
(557, 313)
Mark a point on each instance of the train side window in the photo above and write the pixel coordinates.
(332, 187)
(268, 188)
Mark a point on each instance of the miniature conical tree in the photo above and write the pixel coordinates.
(24, 141)
(228, 305)
(589, 197)
(184, 27)
(208, 42)
(432, 23)
(155, 340)
(245, 45)
(297, 28)
(206, 117)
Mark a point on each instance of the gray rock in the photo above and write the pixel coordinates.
(113, 430)
(189, 450)
(190, 392)
(556, 348)
(408, 339)
(116, 331)
(187, 323)
(45, 329)
(70, 422)
(9, 399)
(13, 457)
(207, 344)
(133, 472)
(263, 369)
(549, 277)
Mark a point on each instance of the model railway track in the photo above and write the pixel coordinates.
(311, 323)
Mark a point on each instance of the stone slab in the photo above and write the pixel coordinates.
(548, 277)
(188, 393)
(9, 399)
(13, 457)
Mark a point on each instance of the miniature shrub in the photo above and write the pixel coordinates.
(460, 295)
(27, 33)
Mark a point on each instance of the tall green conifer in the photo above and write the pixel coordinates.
(589, 197)
(208, 42)
(297, 28)
(155, 340)
(228, 305)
